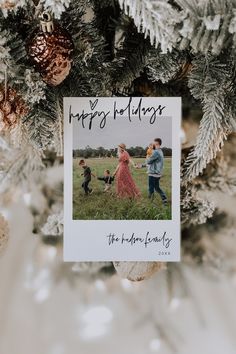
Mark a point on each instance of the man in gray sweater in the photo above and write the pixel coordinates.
(155, 165)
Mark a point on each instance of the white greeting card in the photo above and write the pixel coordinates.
(122, 178)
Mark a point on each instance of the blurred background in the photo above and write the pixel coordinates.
(49, 307)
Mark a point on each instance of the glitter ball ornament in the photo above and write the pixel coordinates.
(50, 49)
(4, 233)
(12, 108)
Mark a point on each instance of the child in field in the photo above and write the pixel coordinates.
(150, 149)
(108, 179)
(87, 177)
(149, 153)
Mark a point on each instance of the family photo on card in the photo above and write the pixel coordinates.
(122, 177)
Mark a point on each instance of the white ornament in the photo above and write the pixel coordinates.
(137, 271)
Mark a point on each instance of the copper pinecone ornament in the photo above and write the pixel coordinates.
(12, 108)
(50, 49)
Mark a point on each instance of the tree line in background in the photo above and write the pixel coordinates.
(137, 151)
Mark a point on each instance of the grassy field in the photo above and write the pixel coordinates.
(104, 206)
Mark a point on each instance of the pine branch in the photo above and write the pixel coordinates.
(195, 210)
(107, 17)
(157, 19)
(5, 56)
(212, 133)
(164, 67)
(54, 225)
(130, 58)
(56, 7)
(90, 75)
(207, 25)
(35, 87)
(15, 5)
(11, 52)
(210, 81)
(14, 62)
(40, 121)
(23, 165)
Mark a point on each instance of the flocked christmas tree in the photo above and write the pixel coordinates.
(55, 48)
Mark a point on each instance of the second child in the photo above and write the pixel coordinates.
(108, 179)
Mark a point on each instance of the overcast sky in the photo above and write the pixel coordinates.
(118, 131)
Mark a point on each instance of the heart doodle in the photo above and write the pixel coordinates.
(93, 104)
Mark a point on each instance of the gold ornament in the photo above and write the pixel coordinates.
(50, 49)
(4, 233)
(12, 108)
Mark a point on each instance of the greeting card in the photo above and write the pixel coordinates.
(122, 179)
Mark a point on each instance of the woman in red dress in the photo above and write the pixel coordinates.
(125, 185)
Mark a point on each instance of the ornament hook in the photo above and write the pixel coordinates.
(46, 22)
